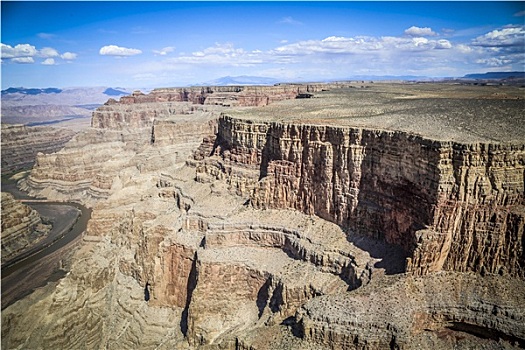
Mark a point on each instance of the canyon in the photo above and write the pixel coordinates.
(21, 144)
(345, 215)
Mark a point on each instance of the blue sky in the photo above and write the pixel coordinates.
(154, 44)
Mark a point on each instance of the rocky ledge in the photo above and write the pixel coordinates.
(383, 217)
(22, 227)
(21, 144)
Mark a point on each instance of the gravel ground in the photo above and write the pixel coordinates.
(445, 112)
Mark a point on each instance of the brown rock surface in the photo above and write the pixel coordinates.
(21, 144)
(22, 227)
(361, 218)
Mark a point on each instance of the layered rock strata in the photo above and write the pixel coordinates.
(118, 147)
(291, 226)
(449, 205)
(443, 309)
(22, 227)
(21, 144)
(230, 96)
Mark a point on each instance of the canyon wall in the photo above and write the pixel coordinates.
(21, 144)
(22, 227)
(211, 231)
(448, 205)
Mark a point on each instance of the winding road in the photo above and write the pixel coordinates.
(42, 263)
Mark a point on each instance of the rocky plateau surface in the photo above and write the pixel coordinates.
(292, 216)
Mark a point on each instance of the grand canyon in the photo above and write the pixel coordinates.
(348, 215)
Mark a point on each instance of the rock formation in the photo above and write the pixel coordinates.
(22, 227)
(370, 218)
(21, 144)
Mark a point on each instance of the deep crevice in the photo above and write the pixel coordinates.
(190, 287)
(486, 333)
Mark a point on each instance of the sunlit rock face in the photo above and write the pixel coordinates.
(21, 144)
(22, 227)
(449, 205)
(355, 218)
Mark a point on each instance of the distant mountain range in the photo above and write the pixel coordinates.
(255, 80)
(241, 80)
(39, 105)
(31, 91)
(496, 75)
(90, 92)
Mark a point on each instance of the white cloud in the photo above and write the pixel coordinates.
(339, 57)
(23, 60)
(47, 36)
(25, 53)
(48, 52)
(68, 56)
(113, 50)
(443, 44)
(20, 50)
(419, 31)
(290, 20)
(49, 62)
(164, 51)
(493, 61)
(507, 36)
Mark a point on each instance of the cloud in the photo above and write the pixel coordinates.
(49, 62)
(290, 20)
(342, 56)
(418, 31)
(164, 51)
(113, 50)
(519, 14)
(68, 56)
(505, 37)
(19, 51)
(361, 45)
(25, 53)
(47, 36)
(48, 52)
(23, 60)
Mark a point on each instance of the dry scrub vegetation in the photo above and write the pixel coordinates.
(462, 113)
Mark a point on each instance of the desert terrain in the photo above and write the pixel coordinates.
(346, 215)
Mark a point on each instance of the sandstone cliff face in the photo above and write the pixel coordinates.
(450, 206)
(22, 227)
(120, 145)
(278, 234)
(230, 96)
(425, 320)
(21, 144)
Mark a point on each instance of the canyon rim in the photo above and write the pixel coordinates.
(296, 216)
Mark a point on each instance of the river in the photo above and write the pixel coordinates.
(42, 263)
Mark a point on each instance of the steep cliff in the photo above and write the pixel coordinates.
(369, 218)
(21, 144)
(22, 227)
(449, 205)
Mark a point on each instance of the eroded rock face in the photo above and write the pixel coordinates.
(22, 227)
(423, 320)
(238, 231)
(446, 204)
(22, 144)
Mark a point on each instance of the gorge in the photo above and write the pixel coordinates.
(367, 216)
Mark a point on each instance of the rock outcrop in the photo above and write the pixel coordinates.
(448, 205)
(21, 144)
(368, 218)
(438, 311)
(22, 227)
